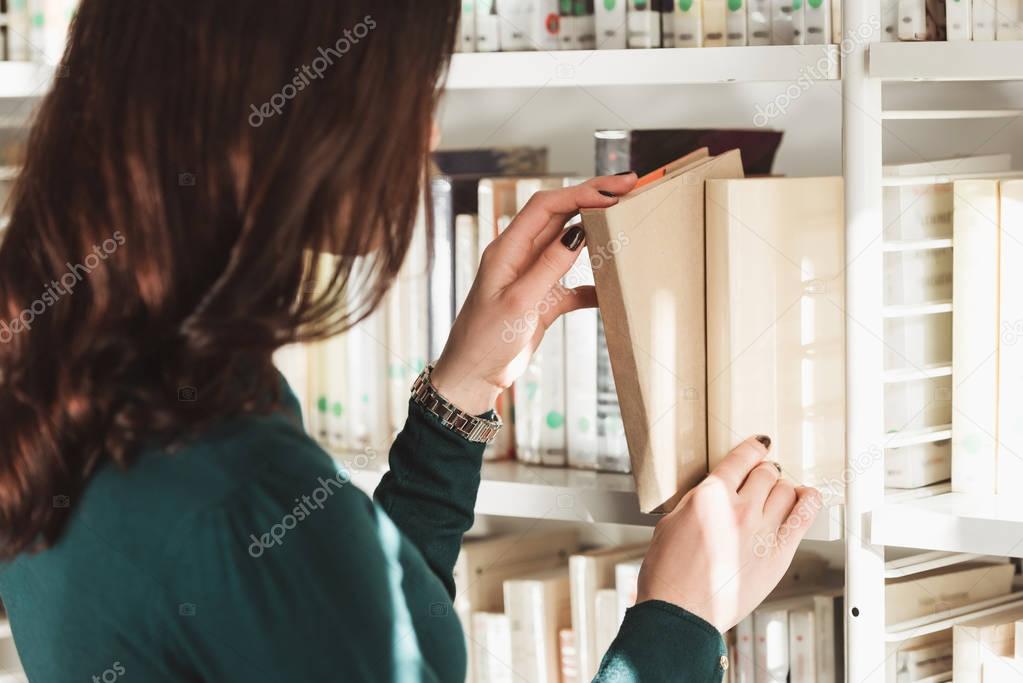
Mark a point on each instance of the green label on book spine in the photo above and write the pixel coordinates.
(685, 5)
(609, 5)
(734, 5)
(816, 4)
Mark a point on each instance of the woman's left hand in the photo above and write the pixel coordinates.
(518, 294)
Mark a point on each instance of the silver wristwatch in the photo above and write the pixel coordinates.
(475, 429)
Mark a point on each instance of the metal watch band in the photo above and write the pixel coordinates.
(475, 429)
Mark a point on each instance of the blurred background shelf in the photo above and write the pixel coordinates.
(24, 79)
(592, 68)
(947, 61)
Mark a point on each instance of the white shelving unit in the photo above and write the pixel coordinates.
(24, 80)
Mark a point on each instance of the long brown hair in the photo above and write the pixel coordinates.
(191, 156)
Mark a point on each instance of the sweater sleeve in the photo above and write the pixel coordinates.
(430, 491)
(659, 641)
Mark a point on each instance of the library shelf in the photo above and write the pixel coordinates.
(913, 437)
(515, 489)
(24, 79)
(949, 114)
(947, 61)
(664, 66)
(952, 522)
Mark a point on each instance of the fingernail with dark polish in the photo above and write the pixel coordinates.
(766, 440)
(626, 173)
(608, 194)
(573, 238)
(777, 466)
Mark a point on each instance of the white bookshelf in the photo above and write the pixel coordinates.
(514, 489)
(597, 68)
(24, 79)
(949, 61)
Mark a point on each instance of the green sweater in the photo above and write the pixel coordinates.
(247, 556)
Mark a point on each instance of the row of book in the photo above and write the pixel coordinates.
(538, 607)
(34, 30)
(516, 25)
(975, 20)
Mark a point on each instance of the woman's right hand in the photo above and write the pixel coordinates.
(730, 540)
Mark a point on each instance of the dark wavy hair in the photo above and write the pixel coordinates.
(191, 160)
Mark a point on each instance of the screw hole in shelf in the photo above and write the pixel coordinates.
(856, 611)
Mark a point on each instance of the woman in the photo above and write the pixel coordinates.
(191, 157)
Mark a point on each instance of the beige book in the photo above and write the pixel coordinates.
(491, 648)
(484, 565)
(921, 661)
(648, 261)
(1010, 341)
(975, 337)
(568, 656)
(590, 572)
(802, 667)
(973, 641)
(776, 321)
(538, 606)
(606, 619)
(936, 592)
(627, 585)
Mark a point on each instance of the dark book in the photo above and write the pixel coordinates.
(644, 151)
(492, 161)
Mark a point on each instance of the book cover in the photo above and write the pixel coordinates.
(687, 23)
(546, 25)
(975, 320)
(959, 19)
(590, 572)
(492, 161)
(606, 618)
(611, 24)
(737, 23)
(538, 608)
(644, 151)
(488, 26)
(650, 285)
(775, 320)
(759, 22)
(715, 23)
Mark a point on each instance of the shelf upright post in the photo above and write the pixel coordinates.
(864, 489)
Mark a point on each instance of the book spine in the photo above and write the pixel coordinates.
(644, 24)
(442, 276)
(606, 621)
(612, 447)
(1010, 341)
(364, 422)
(546, 22)
(626, 585)
(569, 26)
(836, 22)
(783, 23)
(553, 449)
(581, 374)
(668, 37)
(688, 23)
(889, 20)
(467, 27)
(771, 646)
(529, 411)
(802, 647)
(1010, 26)
(745, 662)
(959, 19)
(466, 254)
(488, 26)
(975, 337)
(912, 20)
(492, 650)
(715, 23)
(919, 465)
(737, 24)
(827, 638)
(817, 16)
(923, 662)
(586, 24)
(612, 29)
(516, 19)
(759, 22)
(568, 660)
(985, 20)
